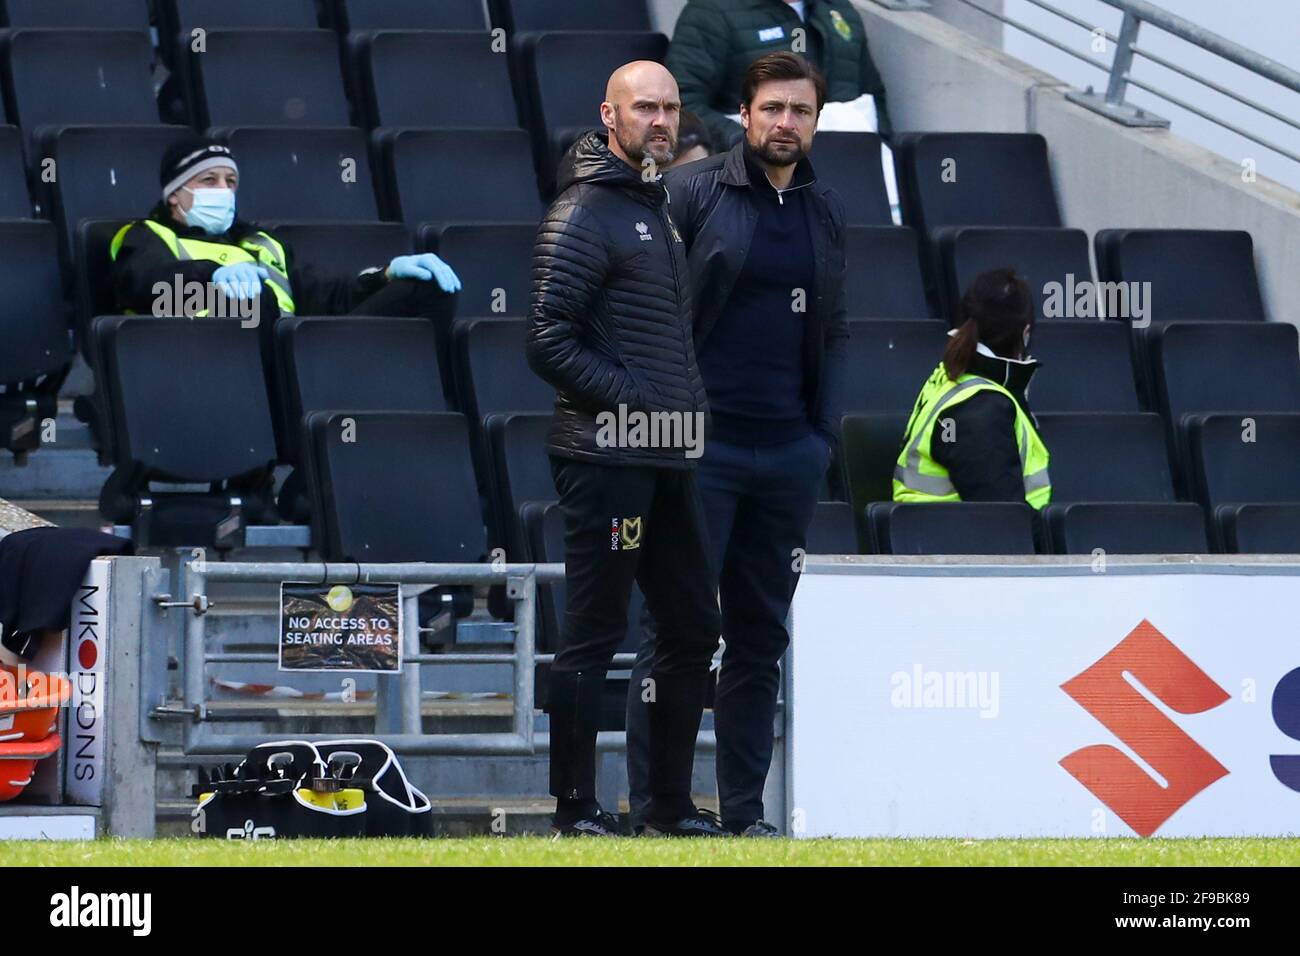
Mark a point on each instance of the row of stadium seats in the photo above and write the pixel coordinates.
(1232, 449)
(172, 16)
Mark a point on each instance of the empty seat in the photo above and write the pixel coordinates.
(565, 76)
(975, 179)
(201, 417)
(37, 348)
(523, 16)
(1245, 459)
(443, 176)
(1054, 262)
(1239, 367)
(74, 77)
(1087, 367)
(850, 163)
(107, 172)
(887, 361)
(409, 15)
(266, 78)
(303, 174)
(398, 69)
(833, 530)
(494, 262)
(15, 203)
(953, 527)
(521, 472)
(77, 14)
(404, 491)
(1107, 457)
(492, 373)
(1195, 274)
(869, 447)
(1262, 529)
(883, 279)
(1129, 528)
(185, 16)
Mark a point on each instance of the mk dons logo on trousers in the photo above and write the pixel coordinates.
(1150, 659)
(624, 533)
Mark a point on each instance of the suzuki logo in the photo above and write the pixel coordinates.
(1148, 658)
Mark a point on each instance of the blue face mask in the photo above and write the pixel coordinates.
(213, 210)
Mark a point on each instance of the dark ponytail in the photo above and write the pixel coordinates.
(995, 310)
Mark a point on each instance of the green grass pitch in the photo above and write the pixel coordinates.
(539, 851)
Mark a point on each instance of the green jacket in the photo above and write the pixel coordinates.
(716, 40)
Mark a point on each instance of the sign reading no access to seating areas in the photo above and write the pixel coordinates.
(341, 627)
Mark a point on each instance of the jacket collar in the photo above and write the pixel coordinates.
(590, 160)
(739, 162)
(1012, 374)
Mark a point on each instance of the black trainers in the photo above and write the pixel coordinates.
(759, 828)
(600, 824)
(702, 823)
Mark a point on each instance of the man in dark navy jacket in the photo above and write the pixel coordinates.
(765, 243)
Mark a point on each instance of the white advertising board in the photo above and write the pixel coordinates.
(1144, 700)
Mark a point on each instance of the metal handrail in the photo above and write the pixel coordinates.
(1119, 72)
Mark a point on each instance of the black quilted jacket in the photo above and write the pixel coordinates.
(610, 312)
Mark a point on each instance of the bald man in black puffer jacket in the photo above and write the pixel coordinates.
(610, 328)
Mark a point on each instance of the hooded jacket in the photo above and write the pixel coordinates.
(984, 462)
(610, 310)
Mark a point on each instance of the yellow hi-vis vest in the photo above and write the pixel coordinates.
(258, 248)
(918, 477)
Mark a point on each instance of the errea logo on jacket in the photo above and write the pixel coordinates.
(644, 232)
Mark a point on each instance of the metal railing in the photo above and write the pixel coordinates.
(1114, 104)
(398, 717)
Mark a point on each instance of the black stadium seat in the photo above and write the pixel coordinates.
(564, 79)
(850, 163)
(398, 69)
(403, 491)
(409, 15)
(520, 472)
(185, 16)
(494, 262)
(1240, 459)
(524, 16)
(1129, 528)
(975, 179)
(1107, 457)
(883, 279)
(201, 417)
(1234, 367)
(59, 78)
(1262, 529)
(266, 78)
(1043, 256)
(302, 174)
(888, 360)
(869, 447)
(1195, 274)
(443, 176)
(1087, 366)
(492, 373)
(107, 172)
(37, 348)
(953, 527)
(77, 14)
(318, 359)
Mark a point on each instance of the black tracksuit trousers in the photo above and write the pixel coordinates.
(626, 524)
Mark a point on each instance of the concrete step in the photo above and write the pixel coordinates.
(66, 512)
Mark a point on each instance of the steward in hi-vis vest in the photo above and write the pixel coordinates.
(971, 436)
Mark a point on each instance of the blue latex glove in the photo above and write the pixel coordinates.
(425, 266)
(243, 280)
